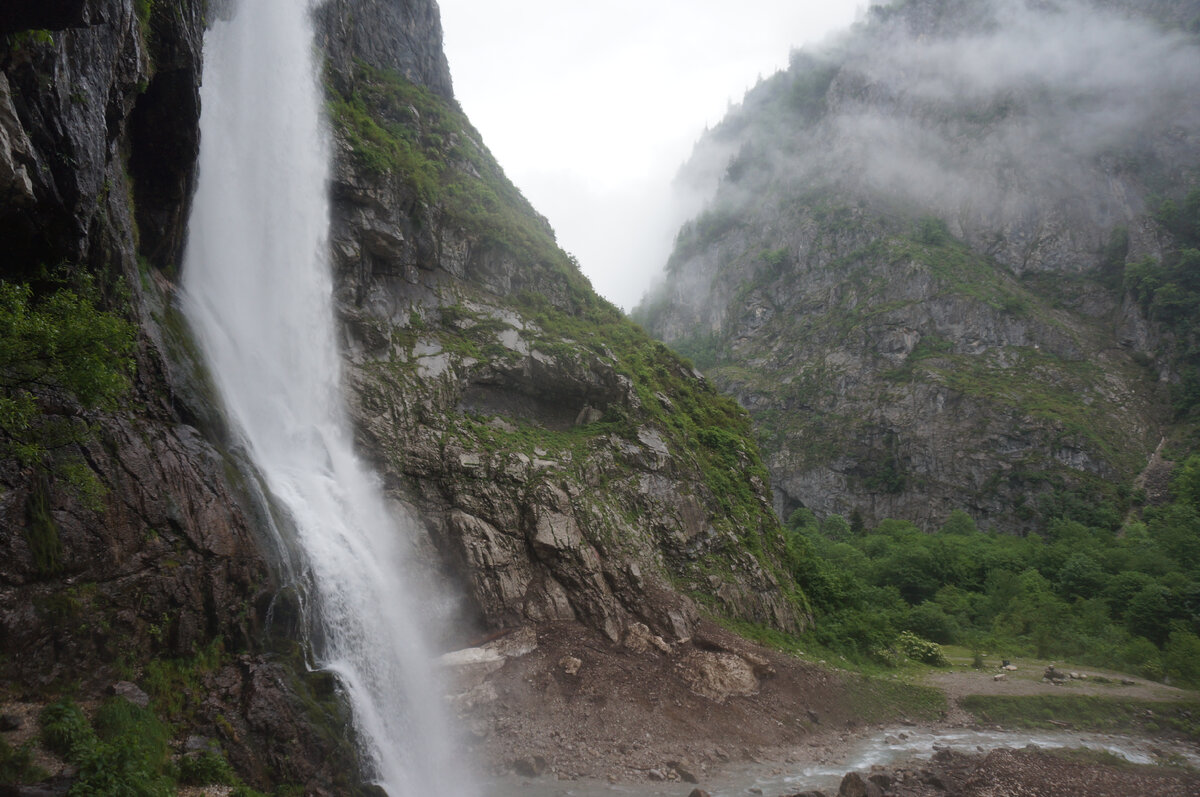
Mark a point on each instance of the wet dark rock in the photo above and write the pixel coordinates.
(22, 15)
(55, 787)
(853, 785)
(402, 36)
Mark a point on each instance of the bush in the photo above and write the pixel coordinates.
(120, 722)
(125, 756)
(1181, 657)
(206, 769)
(16, 764)
(65, 730)
(921, 650)
(930, 621)
(246, 791)
(119, 769)
(931, 231)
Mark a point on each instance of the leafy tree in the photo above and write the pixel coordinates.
(1080, 577)
(959, 523)
(1186, 481)
(930, 621)
(1181, 657)
(836, 527)
(1149, 614)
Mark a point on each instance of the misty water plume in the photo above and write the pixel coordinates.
(258, 293)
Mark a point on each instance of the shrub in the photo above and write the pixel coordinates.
(119, 769)
(921, 650)
(65, 730)
(125, 756)
(931, 231)
(120, 722)
(206, 769)
(16, 764)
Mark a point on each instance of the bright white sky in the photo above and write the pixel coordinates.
(592, 107)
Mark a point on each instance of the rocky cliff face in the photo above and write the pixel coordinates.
(564, 466)
(910, 273)
(165, 577)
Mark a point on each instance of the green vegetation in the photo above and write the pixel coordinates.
(426, 144)
(59, 354)
(16, 764)
(27, 39)
(175, 685)
(810, 81)
(123, 751)
(699, 234)
(958, 268)
(205, 769)
(874, 694)
(882, 699)
(1169, 293)
(144, 10)
(1084, 712)
(1127, 598)
(65, 728)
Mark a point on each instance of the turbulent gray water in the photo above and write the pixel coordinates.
(258, 294)
(886, 747)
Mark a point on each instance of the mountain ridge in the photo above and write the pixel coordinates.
(906, 273)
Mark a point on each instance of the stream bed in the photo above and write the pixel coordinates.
(887, 747)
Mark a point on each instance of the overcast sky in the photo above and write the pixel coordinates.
(591, 107)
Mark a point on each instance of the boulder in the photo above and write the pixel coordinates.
(530, 766)
(854, 785)
(130, 692)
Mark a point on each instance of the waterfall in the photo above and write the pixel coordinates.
(258, 294)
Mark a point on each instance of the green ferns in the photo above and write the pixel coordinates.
(124, 751)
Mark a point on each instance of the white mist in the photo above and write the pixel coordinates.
(258, 293)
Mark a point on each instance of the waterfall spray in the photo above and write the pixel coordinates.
(258, 293)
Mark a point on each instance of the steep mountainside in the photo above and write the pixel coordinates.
(913, 270)
(565, 466)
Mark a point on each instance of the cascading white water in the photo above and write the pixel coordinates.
(258, 293)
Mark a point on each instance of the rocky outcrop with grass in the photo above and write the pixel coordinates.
(566, 466)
